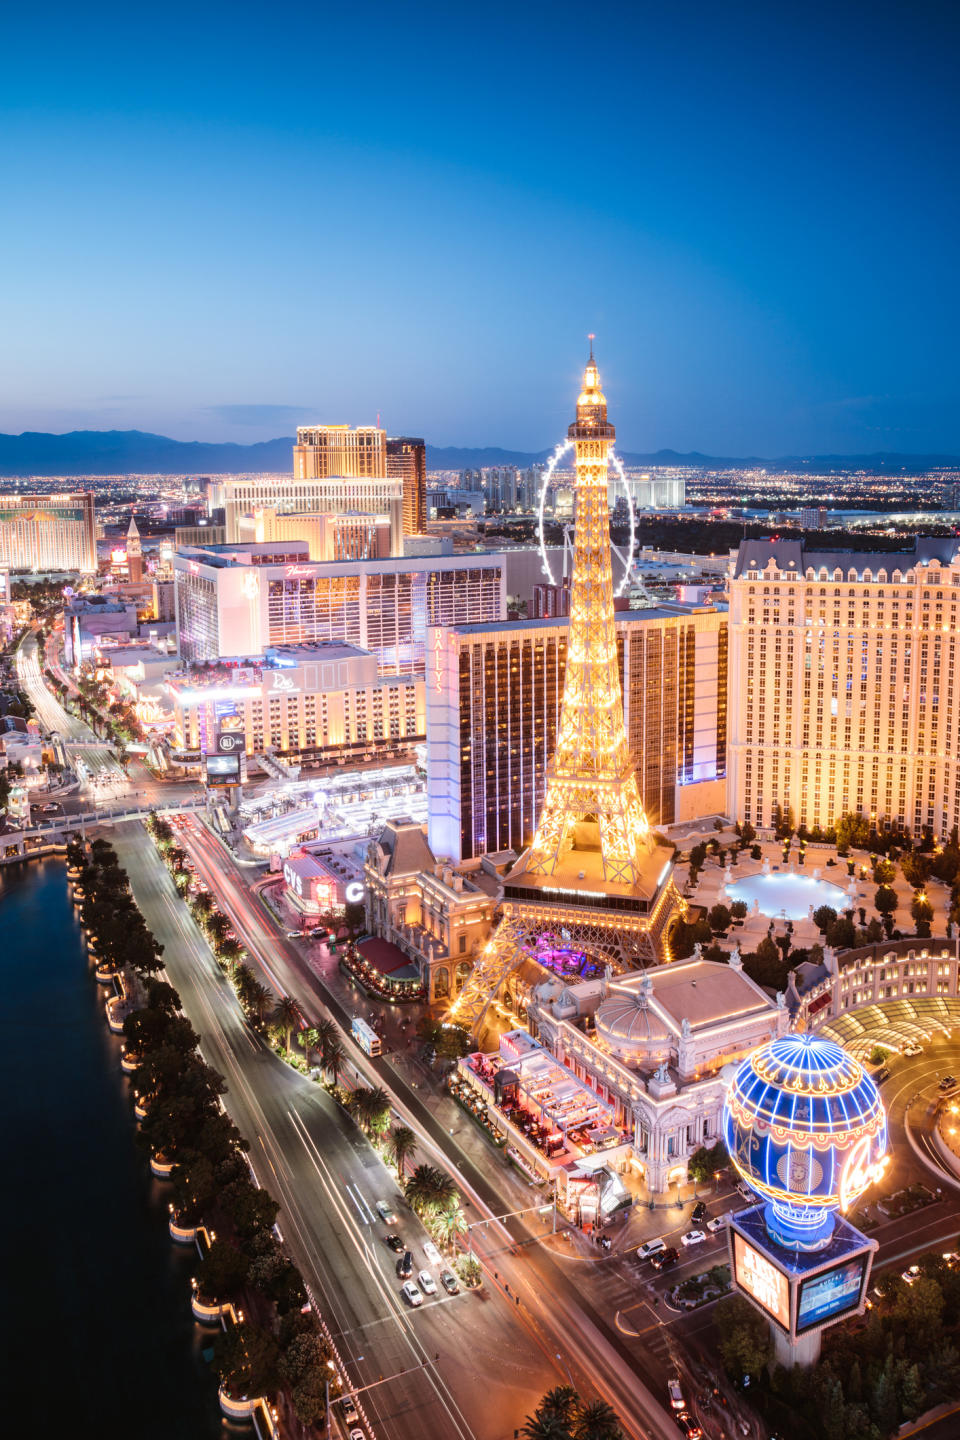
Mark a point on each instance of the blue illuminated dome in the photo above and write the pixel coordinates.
(805, 1127)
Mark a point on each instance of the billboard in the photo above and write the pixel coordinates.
(762, 1281)
(831, 1294)
(223, 769)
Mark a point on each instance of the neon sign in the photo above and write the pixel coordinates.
(354, 892)
(250, 585)
(293, 571)
(438, 659)
(860, 1172)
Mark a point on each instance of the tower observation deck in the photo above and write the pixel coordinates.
(594, 875)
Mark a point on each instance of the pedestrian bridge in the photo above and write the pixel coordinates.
(48, 834)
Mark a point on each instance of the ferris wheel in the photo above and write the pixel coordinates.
(549, 482)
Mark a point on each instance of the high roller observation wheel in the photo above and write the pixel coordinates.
(613, 459)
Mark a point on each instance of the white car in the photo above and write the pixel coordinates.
(432, 1253)
(912, 1049)
(674, 1390)
(427, 1283)
(650, 1248)
(717, 1223)
(411, 1293)
(911, 1275)
(385, 1212)
(693, 1237)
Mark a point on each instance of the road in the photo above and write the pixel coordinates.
(106, 774)
(326, 1176)
(558, 1312)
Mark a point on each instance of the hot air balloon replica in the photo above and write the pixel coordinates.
(806, 1129)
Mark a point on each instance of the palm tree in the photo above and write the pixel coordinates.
(432, 1190)
(597, 1421)
(450, 1224)
(318, 1037)
(371, 1109)
(555, 1416)
(259, 999)
(545, 1427)
(217, 927)
(334, 1058)
(203, 904)
(287, 1017)
(243, 977)
(403, 1146)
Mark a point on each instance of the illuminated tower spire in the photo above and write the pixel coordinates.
(134, 550)
(594, 874)
(591, 781)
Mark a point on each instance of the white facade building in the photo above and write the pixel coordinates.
(237, 601)
(659, 1046)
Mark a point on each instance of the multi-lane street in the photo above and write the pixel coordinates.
(466, 1366)
(606, 1322)
(560, 1317)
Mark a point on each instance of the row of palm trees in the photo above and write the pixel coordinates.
(563, 1415)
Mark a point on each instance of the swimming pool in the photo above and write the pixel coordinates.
(787, 894)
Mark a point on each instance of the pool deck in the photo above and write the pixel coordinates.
(711, 885)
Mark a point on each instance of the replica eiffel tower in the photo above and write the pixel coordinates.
(594, 878)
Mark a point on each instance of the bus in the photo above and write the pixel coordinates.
(365, 1036)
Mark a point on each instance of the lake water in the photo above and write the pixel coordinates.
(98, 1338)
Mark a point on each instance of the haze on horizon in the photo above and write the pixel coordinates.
(225, 221)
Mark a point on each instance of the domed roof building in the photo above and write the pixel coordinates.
(655, 1043)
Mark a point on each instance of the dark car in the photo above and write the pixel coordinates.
(405, 1265)
(699, 1211)
(395, 1243)
(948, 1082)
(666, 1258)
(688, 1425)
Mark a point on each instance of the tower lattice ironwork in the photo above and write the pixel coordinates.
(592, 814)
(591, 775)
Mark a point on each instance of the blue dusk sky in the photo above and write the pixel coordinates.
(222, 220)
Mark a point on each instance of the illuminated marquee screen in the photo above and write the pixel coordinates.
(762, 1280)
(830, 1294)
(223, 769)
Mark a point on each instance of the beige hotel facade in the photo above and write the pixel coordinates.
(844, 684)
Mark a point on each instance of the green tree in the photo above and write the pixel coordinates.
(744, 1340)
(596, 1420)
(823, 917)
(402, 1144)
(916, 868)
(719, 918)
(885, 901)
(450, 1224)
(286, 1016)
(247, 1360)
(431, 1191)
(222, 1271)
(334, 1059)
